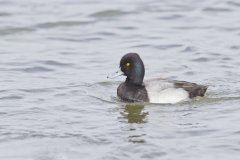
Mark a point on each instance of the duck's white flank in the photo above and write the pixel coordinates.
(163, 91)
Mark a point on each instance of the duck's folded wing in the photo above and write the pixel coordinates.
(193, 89)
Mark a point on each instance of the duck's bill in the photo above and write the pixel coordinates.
(115, 74)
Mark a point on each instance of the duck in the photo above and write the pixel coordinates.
(158, 90)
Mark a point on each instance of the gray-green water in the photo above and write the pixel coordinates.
(55, 100)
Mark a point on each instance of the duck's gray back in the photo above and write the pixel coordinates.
(193, 89)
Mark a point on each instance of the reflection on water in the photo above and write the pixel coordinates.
(135, 116)
(134, 113)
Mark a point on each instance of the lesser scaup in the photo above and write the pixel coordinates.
(153, 91)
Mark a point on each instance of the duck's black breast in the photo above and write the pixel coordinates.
(132, 93)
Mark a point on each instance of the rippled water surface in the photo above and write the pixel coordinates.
(57, 104)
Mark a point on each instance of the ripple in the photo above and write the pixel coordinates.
(189, 73)
(3, 91)
(48, 25)
(237, 132)
(238, 63)
(154, 154)
(15, 30)
(169, 46)
(226, 59)
(142, 46)
(229, 29)
(195, 27)
(219, 99)
(4, 14)
(189, 49)
(102, 100)
(16, 63)
(75, 39)
(171, 17)
(201, 132)
(127, 28)
(214, 9)
(38, 90)
(11, 97)
(134, 140)
(226, 66)
(56, 63)
(109, 14)
(232, 3)
(202, 59)
(107, 33)
(1, 114)
(96, 91)
(235, 47)
(36, 69)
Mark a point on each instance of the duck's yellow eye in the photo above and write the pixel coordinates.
(128, 65)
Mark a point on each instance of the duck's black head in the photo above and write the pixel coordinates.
(132, 66)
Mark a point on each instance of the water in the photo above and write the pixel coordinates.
(57, 104)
